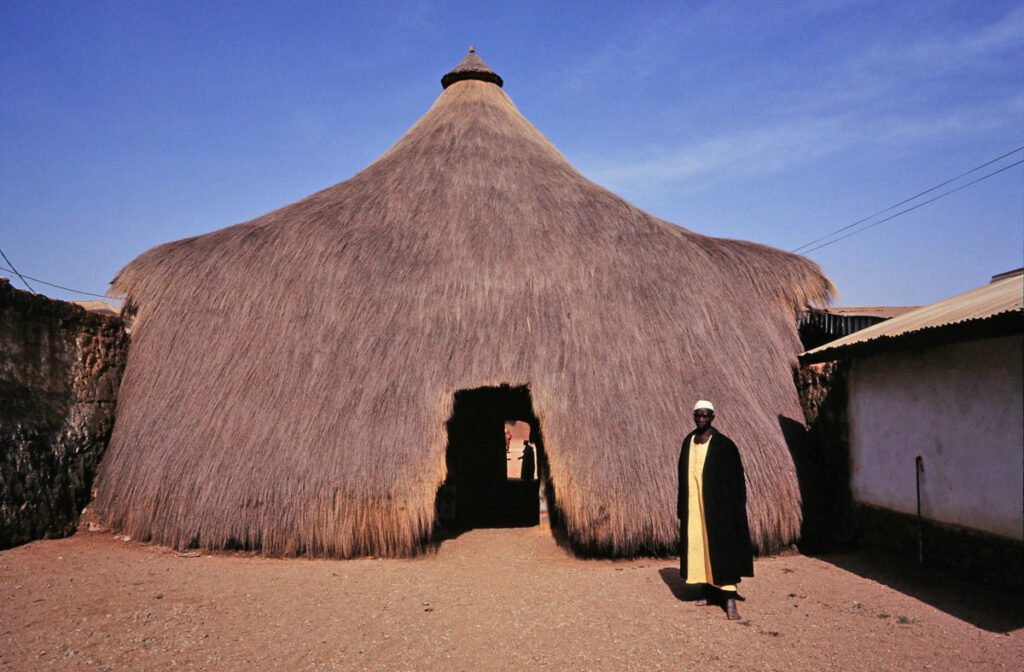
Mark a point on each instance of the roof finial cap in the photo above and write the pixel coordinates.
(471, 67)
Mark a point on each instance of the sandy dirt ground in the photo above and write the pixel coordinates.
(487, 600)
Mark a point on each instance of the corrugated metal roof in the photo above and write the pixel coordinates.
(869, 311)
(1002, 296)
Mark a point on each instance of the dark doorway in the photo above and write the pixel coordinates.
(477, 491)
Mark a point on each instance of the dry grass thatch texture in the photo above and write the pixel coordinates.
(298, 403)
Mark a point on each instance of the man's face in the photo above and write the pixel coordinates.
(702, 417)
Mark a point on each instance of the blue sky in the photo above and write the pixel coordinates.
(124, 125)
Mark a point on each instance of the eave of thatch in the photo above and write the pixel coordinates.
(298, 404)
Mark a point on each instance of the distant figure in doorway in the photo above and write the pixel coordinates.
(508, 439)
(712, 508)
(526, 473)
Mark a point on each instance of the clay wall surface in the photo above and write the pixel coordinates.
(959, 407)
(917, 402)
(60, 368)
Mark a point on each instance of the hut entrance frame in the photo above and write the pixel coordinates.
(477, 491)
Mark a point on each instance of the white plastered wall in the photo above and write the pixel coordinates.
(958, 406)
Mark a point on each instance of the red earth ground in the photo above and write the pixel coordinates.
(495, 599)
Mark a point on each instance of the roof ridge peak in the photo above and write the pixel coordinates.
(471, 67)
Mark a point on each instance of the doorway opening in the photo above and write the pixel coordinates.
(482, 489)
(519, 460)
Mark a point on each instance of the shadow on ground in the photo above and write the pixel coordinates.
(683, 591)
(983, 606)
(680, 589)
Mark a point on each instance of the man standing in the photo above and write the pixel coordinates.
(712, 508)
(526, 473)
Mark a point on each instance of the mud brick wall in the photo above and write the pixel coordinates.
(60, 368)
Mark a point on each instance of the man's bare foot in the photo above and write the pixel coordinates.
(731, 612)
(702, 603)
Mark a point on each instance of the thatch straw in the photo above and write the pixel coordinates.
(290, 377)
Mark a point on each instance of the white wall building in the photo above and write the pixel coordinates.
(944, 383)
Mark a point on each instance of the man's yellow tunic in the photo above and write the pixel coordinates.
(698, 560)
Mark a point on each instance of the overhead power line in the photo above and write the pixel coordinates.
(13, 270)
(44, 282)
(915, 207)
(908, 200)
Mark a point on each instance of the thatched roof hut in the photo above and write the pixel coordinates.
(299, 403)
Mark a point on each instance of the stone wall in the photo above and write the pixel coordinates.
(60, 368)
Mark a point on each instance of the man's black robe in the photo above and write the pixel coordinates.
(725, 510)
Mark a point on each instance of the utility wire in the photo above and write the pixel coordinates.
(49, 284)
(13, 270)
(914, 207)
(908, 200)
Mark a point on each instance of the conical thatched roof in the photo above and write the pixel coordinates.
(299, 404)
